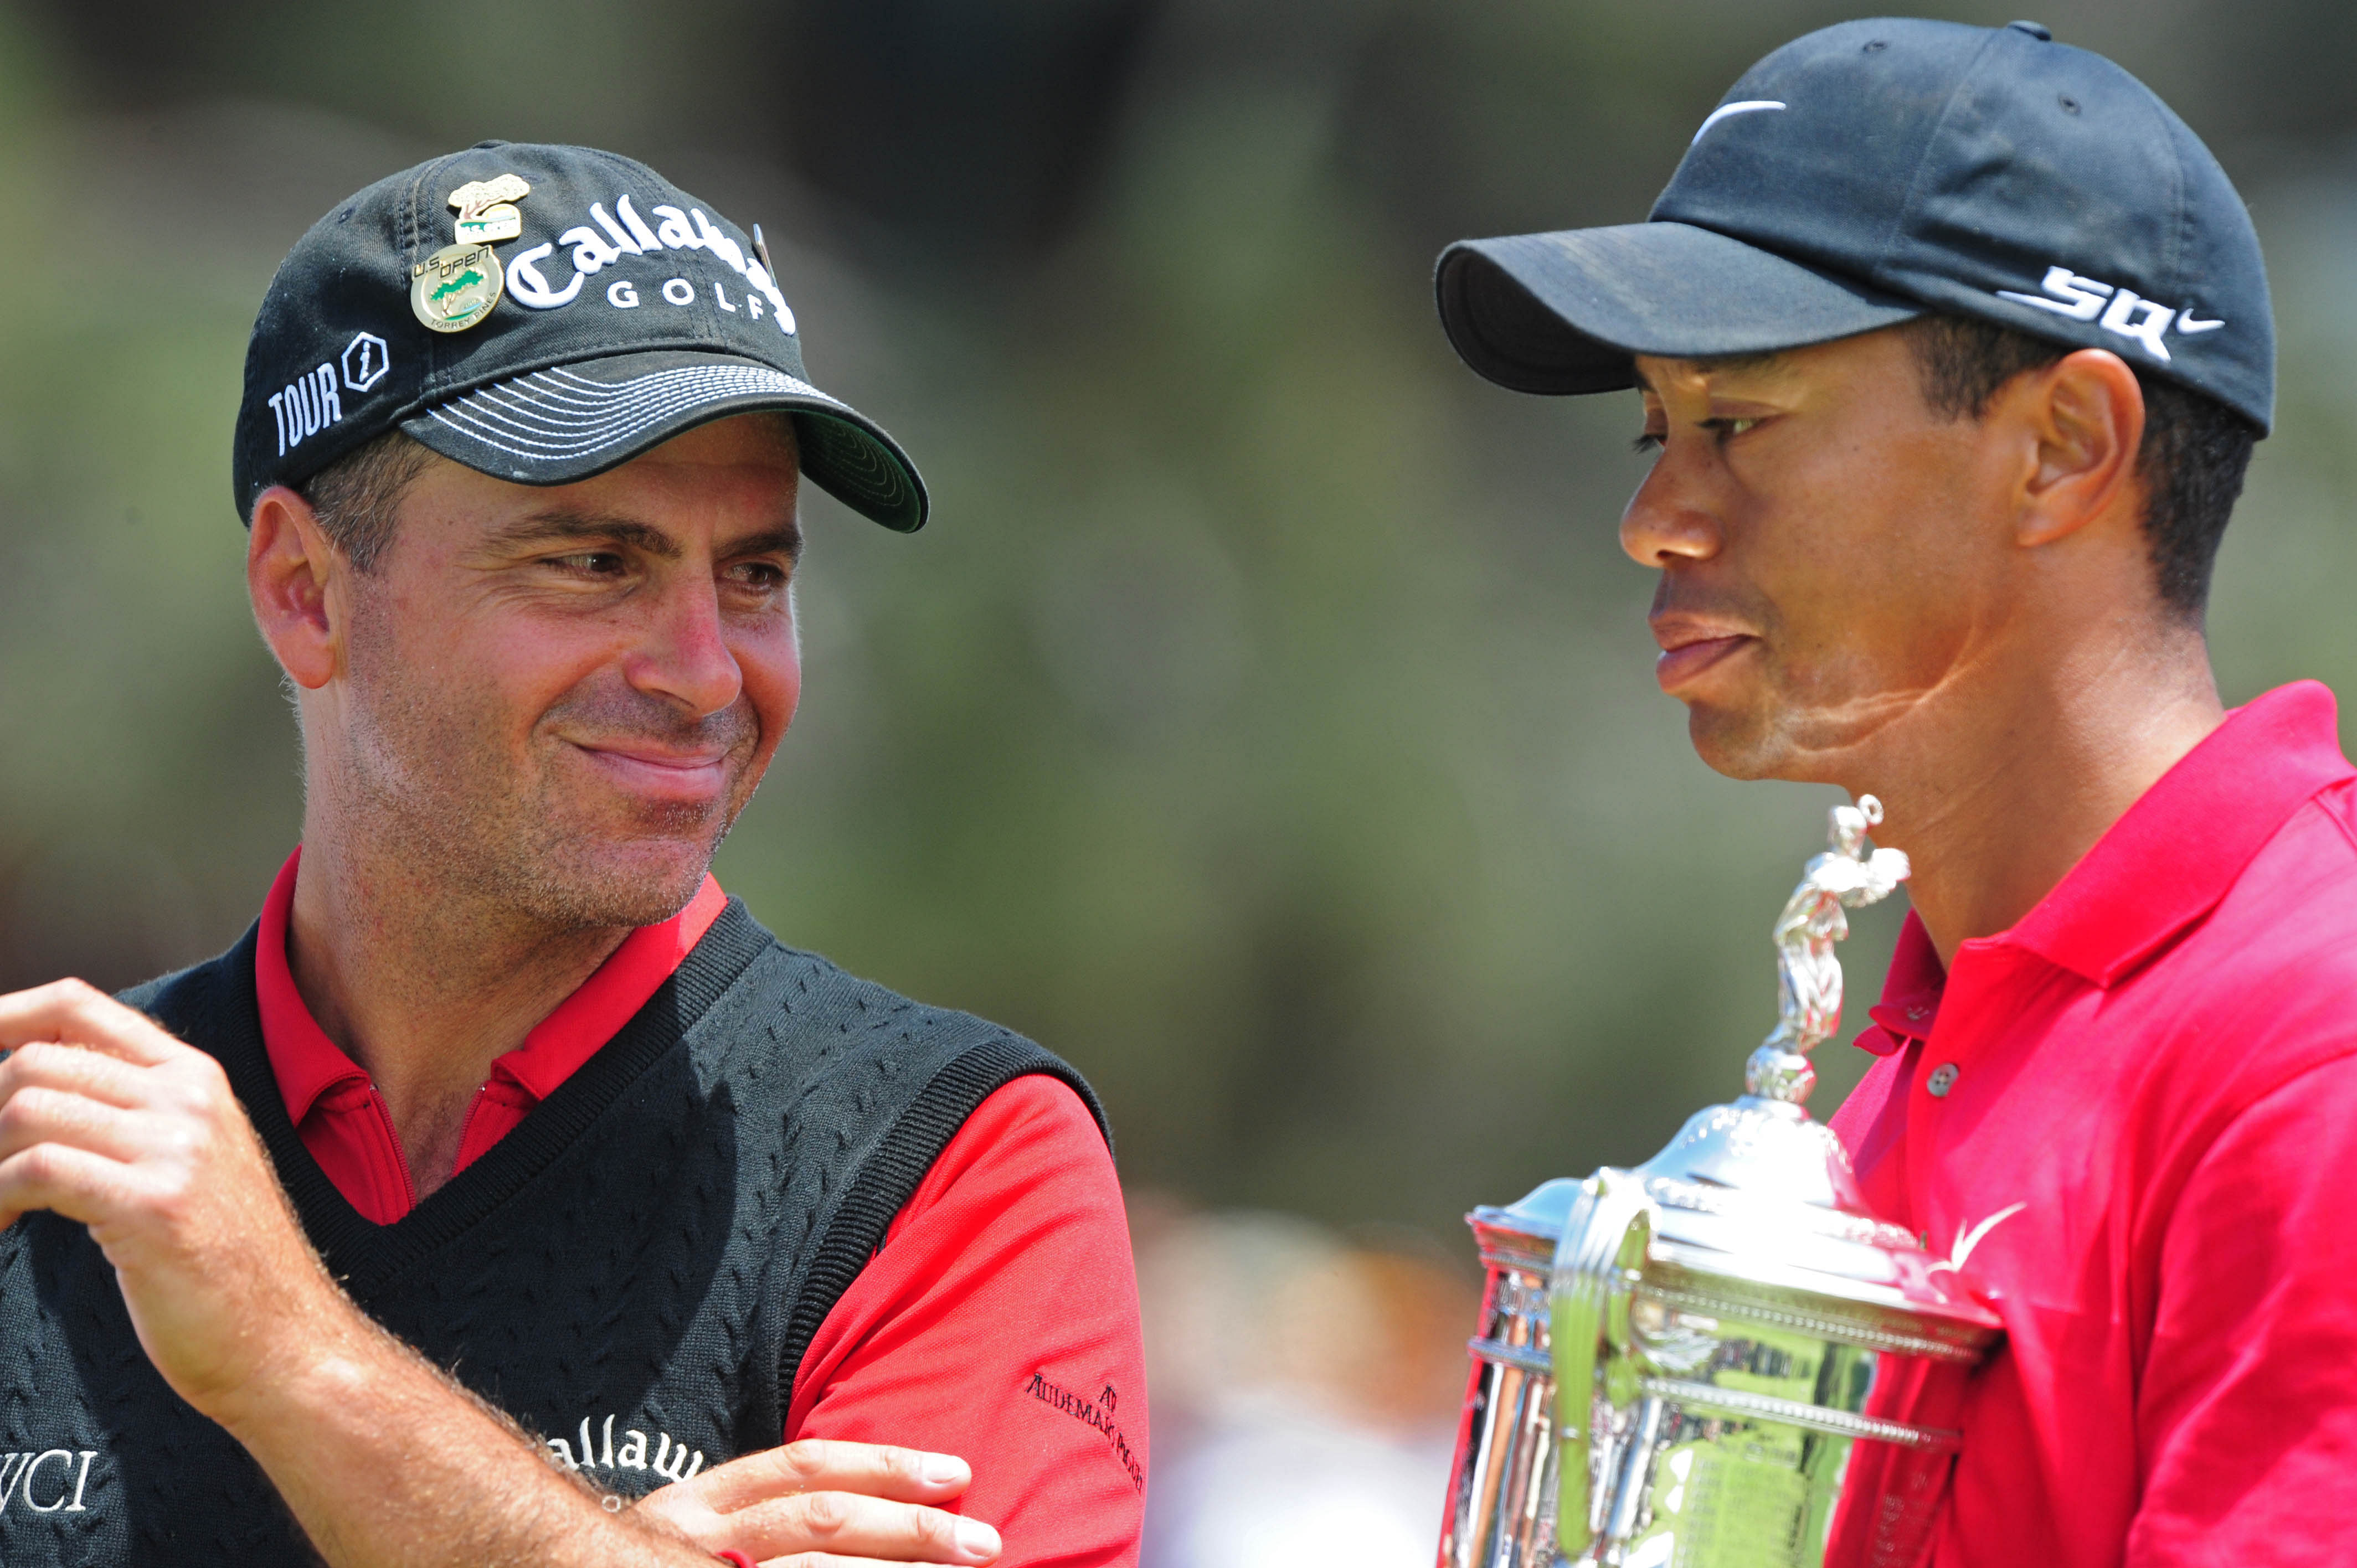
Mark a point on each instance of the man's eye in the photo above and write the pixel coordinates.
(1648, 442)
(1728, 428)
(591, 563)
(762, 574)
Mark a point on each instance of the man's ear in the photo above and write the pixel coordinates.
(2085, 413)
(297, 580)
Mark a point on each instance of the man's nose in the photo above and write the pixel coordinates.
(1670, 517)
(685, 655)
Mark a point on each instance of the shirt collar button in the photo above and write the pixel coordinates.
(1943, 1078)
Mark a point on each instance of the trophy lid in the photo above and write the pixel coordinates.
(1754, 1204)
(1522, 1234)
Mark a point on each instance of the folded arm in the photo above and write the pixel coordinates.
(107, 1120)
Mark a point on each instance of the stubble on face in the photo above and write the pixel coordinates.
(435, 774)
(555, 704)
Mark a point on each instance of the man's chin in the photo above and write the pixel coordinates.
(1736, 744)
(592, 884)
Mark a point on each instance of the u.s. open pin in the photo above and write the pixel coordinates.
(456, 287)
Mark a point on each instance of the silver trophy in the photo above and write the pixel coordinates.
(1723, 1357)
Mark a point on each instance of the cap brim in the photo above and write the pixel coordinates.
(1567, 312)
(569, 422)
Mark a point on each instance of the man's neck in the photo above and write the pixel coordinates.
(1995, 801)
(423, 985)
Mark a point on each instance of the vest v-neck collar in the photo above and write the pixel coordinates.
(365, 1253)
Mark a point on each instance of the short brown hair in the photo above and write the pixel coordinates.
(356, 496)
(2195, 454)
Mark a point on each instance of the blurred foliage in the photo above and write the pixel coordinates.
(1266, 721)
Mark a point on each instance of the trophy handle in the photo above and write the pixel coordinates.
(1600, 1255)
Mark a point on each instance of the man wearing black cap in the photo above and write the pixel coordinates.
(1954, 343)
(508, 1195)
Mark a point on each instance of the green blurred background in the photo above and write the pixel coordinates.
(1266, 721)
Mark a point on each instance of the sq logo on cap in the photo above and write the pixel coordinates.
(1870, 172)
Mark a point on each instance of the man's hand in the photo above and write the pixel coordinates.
(106, 1119)
(819, 1504)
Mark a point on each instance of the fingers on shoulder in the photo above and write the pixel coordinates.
(811, 1464)
(79, 1014)
(849, 1525)
(75, 1182)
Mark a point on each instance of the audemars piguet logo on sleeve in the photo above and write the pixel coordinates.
(43, 1481)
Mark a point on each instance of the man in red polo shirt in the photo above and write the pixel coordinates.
(1954, 343)
(508, 1195)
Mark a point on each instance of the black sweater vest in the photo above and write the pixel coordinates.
(633, 1273)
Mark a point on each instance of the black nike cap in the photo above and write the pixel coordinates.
(540, 314)
(1872, 171)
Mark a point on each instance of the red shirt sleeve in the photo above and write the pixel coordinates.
(1000, 1323)
(2247, 1407)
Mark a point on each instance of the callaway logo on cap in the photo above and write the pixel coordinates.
(539, 314)
(1870, 171)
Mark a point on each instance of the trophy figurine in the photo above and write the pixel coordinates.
(1722, 1356)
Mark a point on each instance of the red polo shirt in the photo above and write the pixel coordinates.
(998, 1321)
(2132, 1119)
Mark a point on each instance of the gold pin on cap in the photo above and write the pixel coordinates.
(487, 212)
(457, 287)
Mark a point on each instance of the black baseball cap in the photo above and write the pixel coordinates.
(540, 314)
(1869, 172)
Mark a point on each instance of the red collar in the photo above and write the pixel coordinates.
(2162, 866)
(1911, 991)
(307, 1064)
(2167, 861)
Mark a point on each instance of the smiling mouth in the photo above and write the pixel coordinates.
(665, 776)
(1683, 664)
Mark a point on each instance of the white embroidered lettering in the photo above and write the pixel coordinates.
(753, 306)
(638, 225)
(634, 1453)
(590, 252)
(530, 287)
(758, 276)
(331, 405)
(675, 1468)
(2119, 310)
(81, 1480)
(686, 291)
(675, 231)
(621, 295)
(608, 1462)
(2147, 330)
(278, 407)
(2078, 298)
(719, 243)
(65, 1486)
(722, 298)
(614, 231)
(564, 1452)
(10, 1470)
